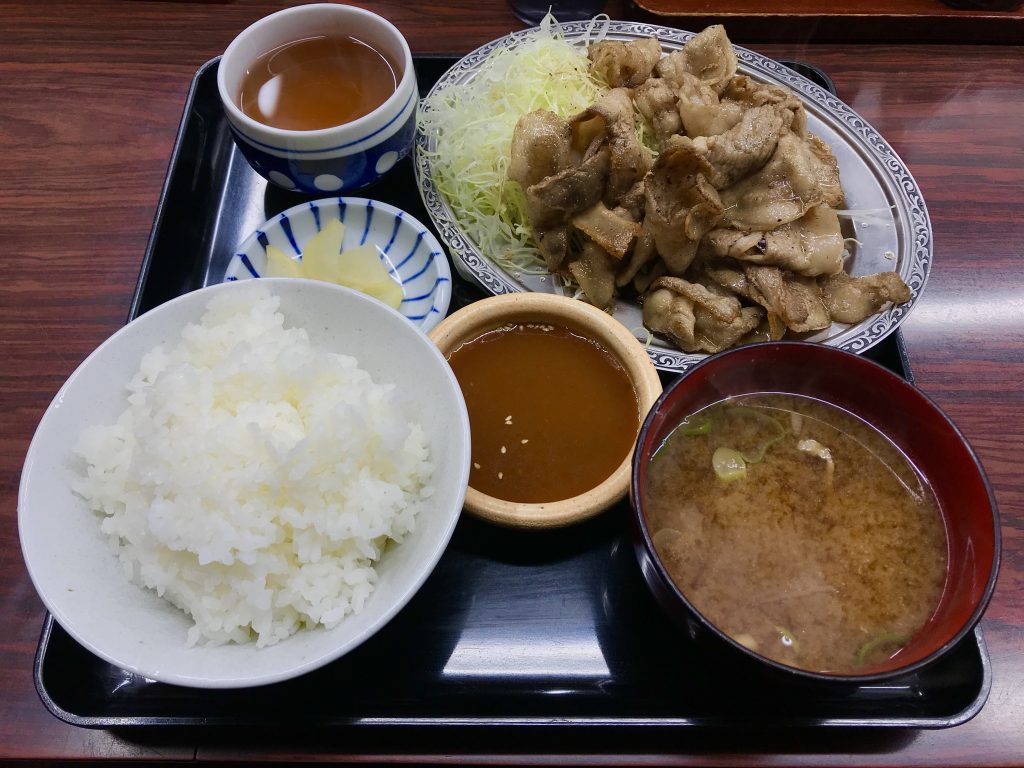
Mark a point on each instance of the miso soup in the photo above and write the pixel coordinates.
(798, 530)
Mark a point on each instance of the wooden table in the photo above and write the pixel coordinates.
(917, 21)
(92, 95)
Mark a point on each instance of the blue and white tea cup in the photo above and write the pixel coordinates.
(341, 158)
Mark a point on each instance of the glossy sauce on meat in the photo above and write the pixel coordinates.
(798, 530)
(552, 413)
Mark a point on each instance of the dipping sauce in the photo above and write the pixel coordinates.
(798, 530)
(317, 83)
(552, 413)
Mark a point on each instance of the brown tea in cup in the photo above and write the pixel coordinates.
(318, 82)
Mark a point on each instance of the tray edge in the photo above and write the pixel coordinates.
(172, 163)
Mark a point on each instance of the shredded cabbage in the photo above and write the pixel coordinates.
(472, 127)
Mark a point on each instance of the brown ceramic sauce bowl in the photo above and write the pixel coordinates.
(480, 317)
(926, 436)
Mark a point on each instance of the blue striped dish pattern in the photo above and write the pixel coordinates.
(409, 251)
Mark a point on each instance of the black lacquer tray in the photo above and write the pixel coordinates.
(513, 629)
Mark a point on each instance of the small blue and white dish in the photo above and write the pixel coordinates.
(407, 248)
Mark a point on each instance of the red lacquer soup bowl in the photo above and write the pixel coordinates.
(917, 426)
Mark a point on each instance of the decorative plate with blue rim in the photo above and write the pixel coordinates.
(886, 221)
(407, 248)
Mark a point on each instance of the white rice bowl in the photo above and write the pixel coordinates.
(307, 488)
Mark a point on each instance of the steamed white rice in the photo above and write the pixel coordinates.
(253, 481)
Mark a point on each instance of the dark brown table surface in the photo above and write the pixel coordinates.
(91, 93)
(916, 21)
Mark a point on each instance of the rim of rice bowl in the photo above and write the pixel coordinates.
(75, 570)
